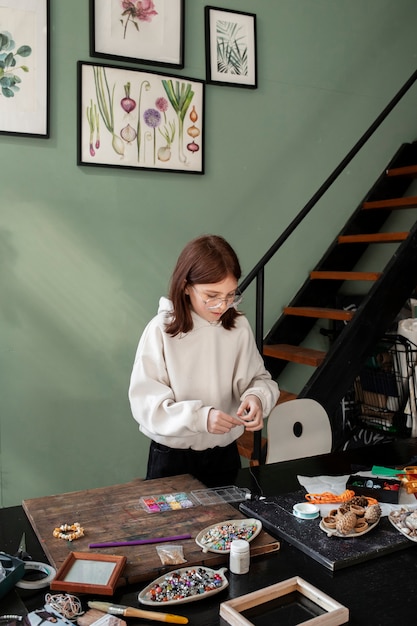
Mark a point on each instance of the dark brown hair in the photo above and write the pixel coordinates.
(204, 260)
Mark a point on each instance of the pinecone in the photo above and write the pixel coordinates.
(359, 500)
(372, 513)
(346, 523)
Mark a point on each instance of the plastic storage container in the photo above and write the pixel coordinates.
(239, 556)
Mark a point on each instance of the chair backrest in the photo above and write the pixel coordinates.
(298, 428)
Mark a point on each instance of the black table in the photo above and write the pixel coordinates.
(377, 593)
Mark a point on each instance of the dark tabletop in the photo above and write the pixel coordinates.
(377, 592)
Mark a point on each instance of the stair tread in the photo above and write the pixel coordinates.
(392, 203)
(408, 170)
(285, 396)
(336, 275)
(319, 313)
(373, 238)
(295, 354)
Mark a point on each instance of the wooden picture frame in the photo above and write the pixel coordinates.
(231, 57)
(329, 611)
(85, 572)
(139, 119)
(155, 37)
(24, 65)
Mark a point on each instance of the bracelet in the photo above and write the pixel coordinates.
(69, 532)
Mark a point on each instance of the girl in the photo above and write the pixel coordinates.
(198, 379)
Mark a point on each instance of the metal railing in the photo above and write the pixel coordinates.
(258, 272)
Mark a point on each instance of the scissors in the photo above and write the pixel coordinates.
(21, 550)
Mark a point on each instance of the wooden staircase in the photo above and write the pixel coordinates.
(318, 298)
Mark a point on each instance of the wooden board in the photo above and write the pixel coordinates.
(114, 514)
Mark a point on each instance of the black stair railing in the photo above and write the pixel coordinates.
(258, 272)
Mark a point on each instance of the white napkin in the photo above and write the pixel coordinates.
(337, 485)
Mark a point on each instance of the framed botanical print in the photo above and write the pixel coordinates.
(140, 119)
(230, 48)
(24, 67)
(141, 31)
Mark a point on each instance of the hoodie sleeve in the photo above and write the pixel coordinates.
(151, 398)
(253, 378)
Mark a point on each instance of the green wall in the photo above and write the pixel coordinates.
(85, 253)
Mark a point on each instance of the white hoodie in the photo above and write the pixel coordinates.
(177, 380)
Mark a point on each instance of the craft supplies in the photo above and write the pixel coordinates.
(182, 500)
(65, 604)
(171, 554)
(13, 570)
(218, 495)
(218, 537)
(128, 611)
(184, 585)
(167, 502)
(239, 557)
(138, 542)
(48, 576)
(70, 532)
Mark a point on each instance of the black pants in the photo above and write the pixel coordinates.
(215, 467)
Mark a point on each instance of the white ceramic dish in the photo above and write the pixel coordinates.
(332, 532)
(398, 523)
(305, 510)
(236, 526)
(305, 517)
(145, 598)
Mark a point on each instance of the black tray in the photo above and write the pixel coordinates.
(276, 516)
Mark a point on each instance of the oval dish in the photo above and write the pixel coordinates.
(332, 532)
(144, 595)
(398, 520)
(236, 525)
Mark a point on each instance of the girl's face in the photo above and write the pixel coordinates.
(211, 300)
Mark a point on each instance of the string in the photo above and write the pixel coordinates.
(65, 604)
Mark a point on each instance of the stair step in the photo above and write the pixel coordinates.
(321, 275)
(409, 170)
(392, 203)
(285, 396)
(295, 354)
(319, 313)
(374, 238)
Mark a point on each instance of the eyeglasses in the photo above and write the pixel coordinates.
(215, 303)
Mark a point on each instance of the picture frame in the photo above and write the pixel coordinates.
(231, 55)
(24, 59)
(85, 572)
(155, 37)
(139, 119)
(293, 601)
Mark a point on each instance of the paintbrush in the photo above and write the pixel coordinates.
(129, 611)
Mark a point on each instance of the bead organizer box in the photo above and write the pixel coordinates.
(167, 502)
(182, 500)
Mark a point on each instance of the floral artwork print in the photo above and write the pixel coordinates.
(149, 31)
(134, 12)
(139, 119)
(11, 67)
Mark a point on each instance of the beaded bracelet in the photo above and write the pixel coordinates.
(69, 532)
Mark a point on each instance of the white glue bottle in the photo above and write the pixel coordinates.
(239, 556)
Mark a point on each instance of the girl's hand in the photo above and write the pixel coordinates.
(219, 423)
(251, 413)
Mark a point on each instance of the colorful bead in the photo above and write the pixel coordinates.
(189, 583)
